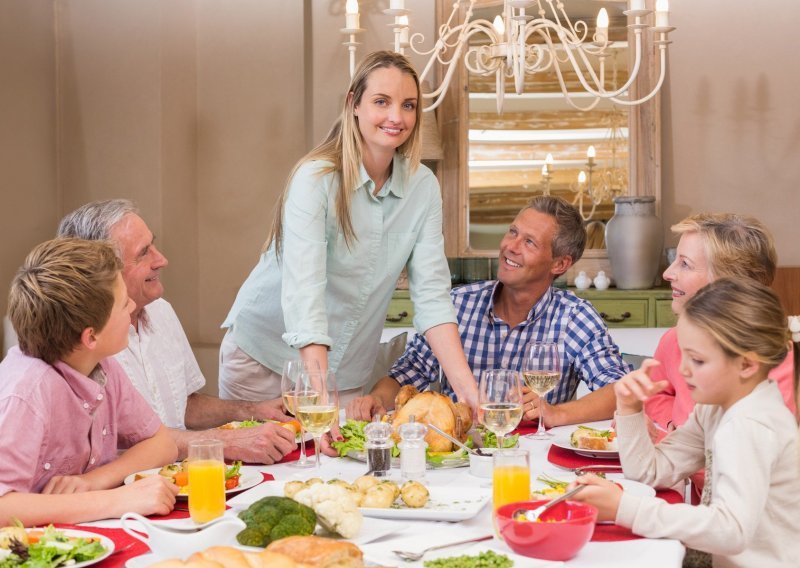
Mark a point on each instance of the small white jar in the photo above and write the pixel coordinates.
(582, 282)
(601, 281)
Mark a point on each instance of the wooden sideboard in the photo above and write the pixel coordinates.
(619, 308)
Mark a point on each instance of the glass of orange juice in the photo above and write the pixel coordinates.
(206, 480)
(511, 477)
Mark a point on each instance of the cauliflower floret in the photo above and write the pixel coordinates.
(335, 508)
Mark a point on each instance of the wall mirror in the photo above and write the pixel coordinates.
(494, 162)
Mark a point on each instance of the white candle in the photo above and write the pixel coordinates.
(351, 15)
(549, 159)
(662, 14)
(636, 5)
(544, 170)
(602, 26)
(397, 4)
(499, 26)
(404, 30)
(591, 153)
(582, 177)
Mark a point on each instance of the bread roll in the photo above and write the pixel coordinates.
(319, 552)
(229, 557)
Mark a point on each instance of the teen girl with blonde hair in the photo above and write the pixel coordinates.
(357, 209)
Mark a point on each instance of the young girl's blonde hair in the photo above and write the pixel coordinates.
(744, 317)
(343, 146)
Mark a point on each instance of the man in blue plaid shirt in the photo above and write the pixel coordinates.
(498, 318)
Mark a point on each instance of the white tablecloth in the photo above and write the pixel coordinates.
(417, 535)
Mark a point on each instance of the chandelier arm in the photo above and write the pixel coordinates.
(651, 94)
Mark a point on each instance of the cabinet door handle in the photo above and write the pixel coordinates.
(399, 317)
(610, 319)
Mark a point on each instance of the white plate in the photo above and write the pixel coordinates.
(628, 485)
(445, 504)
(107, 543)
(563, 442)
(250, 477)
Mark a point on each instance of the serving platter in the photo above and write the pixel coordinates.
(563, 442)
(450, 503)
(250, 477)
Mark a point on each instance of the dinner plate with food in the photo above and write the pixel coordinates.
(552, 484)
(51, 547)
(591, 442)
(387, 499)
(238, 477)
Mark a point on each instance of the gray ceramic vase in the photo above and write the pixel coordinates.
(634, 238)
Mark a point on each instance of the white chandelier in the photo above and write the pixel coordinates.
(521, 44)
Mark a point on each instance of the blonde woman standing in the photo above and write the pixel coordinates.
(357, 209)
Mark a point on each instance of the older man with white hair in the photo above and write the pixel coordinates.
(158, 359)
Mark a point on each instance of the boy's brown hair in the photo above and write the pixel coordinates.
(64, 286)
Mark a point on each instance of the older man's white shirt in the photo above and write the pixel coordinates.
(161, 364)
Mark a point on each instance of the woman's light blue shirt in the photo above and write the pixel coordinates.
(323, 291)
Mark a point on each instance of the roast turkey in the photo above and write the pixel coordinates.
(432, 408)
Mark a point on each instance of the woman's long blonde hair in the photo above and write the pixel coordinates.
(343, 146)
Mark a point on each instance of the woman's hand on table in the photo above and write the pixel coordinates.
(636, 387)
(602, 493)
(327, 439)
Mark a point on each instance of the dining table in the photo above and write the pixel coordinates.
(611, 546)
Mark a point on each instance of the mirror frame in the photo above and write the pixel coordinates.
(644, 123)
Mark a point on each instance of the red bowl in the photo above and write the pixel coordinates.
(561, 532)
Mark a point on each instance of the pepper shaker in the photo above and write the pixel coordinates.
(378, 446)
(412, 450)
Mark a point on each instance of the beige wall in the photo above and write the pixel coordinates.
(731, 120)
(28, 196)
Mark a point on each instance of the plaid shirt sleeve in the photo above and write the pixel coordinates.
(416, 365)
(594, 355)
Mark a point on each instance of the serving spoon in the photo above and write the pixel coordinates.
(474, 451)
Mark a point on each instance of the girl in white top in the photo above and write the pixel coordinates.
(730, 335)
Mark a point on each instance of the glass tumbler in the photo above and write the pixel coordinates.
(206, 480)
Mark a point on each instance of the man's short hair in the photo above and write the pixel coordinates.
(63, 287)
(94, 220)
(570, 237)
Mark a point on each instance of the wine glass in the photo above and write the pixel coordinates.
(317, 405)
(289, 379)
(500, 401)
(541, 369)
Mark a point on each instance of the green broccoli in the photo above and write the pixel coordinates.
(252, 536)
(272, 518)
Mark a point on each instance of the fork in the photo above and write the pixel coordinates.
(414, 556)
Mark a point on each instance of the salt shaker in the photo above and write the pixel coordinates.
(379, 447)
(582, 282)
(412, 450)
(601, 281)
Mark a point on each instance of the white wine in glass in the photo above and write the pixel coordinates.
(319, 410)
(541, 370)
(289, 380)
(500, 402)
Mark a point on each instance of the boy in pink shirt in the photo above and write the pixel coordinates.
(65, 403)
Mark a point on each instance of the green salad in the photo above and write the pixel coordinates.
(354, 439)
(48, 548)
